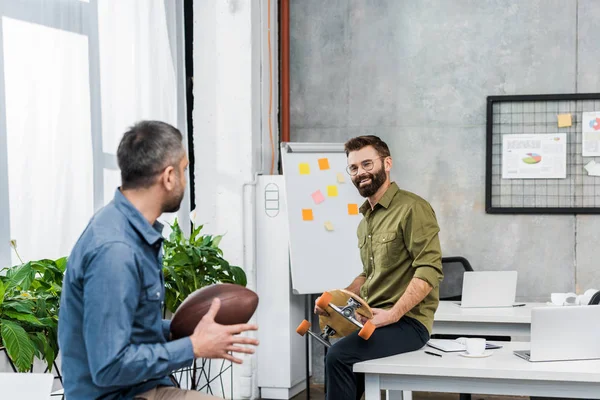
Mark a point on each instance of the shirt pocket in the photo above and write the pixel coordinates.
(387, 247)
(151, 303)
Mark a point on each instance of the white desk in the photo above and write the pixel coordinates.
(503, 373)
(451, 319)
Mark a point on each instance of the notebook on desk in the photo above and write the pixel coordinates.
(449, 345)
(484, 289)
(563, 333)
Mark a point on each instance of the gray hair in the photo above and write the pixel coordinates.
(145, 150)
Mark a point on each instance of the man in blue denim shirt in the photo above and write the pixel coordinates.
(114, 343)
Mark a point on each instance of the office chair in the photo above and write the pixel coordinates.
(454, 269)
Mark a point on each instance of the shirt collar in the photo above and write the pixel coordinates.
(151, 233)
(385, 200)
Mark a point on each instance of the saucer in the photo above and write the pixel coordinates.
(486, 353)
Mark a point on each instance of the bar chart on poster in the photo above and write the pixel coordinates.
(323, 211)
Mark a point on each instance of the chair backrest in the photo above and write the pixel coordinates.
(454, 269)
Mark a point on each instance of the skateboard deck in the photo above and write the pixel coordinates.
(341, 307)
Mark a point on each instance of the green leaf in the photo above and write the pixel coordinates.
(1, 293)
(180, 259)
(239, 276)
(18, 344)
(216, 241)
(61, 264)
(22, 306)
(23, 317)
(23, 276)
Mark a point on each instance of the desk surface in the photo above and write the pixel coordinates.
(502, 364)
(449, 311)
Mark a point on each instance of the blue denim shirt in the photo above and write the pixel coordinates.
(112, 338)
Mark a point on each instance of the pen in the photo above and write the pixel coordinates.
(433, 354)
(519, 305)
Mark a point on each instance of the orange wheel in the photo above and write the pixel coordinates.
(303, 328)
(367, 330)
(323, 301)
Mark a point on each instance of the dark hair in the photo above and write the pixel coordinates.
(359, 142)
(145, 150)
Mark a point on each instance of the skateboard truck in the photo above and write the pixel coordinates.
(328, 331)
(348, 312)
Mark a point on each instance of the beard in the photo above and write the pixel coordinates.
(174, 203)
(369, 190)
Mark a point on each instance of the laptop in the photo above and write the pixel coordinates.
(563, 333)
(489, 289)
(27, 386)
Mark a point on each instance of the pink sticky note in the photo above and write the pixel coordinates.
(318, 197)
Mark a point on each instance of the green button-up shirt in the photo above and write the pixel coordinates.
(398, 241)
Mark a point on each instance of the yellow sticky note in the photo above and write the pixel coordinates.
(304, 168)
(323, 163)
(340, 178)
(328, 226)
(307, 214)
(332, 191)
(353, 209)
(564, 120)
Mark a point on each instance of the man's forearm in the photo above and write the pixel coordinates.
(356, 284)
(416, 291)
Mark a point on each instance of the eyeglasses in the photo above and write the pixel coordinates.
(366, 165)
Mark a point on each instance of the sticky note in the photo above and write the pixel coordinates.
(332, 191)
(323, 163)
(307, 214)
(353, 209)
(304, 168)
(340, 178)
(564, 120)
(328, 226)
(318, 197)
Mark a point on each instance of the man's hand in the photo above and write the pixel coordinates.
(213, 340)
(383, 317)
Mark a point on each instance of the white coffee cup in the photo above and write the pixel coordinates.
(558, 299)
(475, 346)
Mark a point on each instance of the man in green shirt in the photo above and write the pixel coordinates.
(402, 268)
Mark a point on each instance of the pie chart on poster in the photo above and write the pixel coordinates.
(532, 158)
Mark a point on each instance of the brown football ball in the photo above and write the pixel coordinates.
(238, 304)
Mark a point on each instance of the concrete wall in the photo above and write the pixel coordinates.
(417, 73)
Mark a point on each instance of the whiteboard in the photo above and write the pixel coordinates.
(320, 258)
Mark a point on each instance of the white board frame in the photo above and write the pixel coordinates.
(320, 260)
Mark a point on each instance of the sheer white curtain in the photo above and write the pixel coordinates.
(74, 76)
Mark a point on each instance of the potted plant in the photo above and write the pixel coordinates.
(193, 263)
(190, 264)
(29, 301)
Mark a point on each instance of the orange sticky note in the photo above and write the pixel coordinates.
(332, 191)
(307, 214)
(340, 178)
(328, 226)
(564, 120)
(323, 163)
(304, 168)
(353, 209)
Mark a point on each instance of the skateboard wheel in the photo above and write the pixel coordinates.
(367, 330)
(303, 328)
(323, 301)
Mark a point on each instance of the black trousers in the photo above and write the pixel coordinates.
(341, 383)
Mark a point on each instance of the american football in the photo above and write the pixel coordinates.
(238, 304)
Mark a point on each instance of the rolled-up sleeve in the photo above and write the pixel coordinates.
(111, 294)
(422, 241)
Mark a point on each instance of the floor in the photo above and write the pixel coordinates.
(317, 393)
